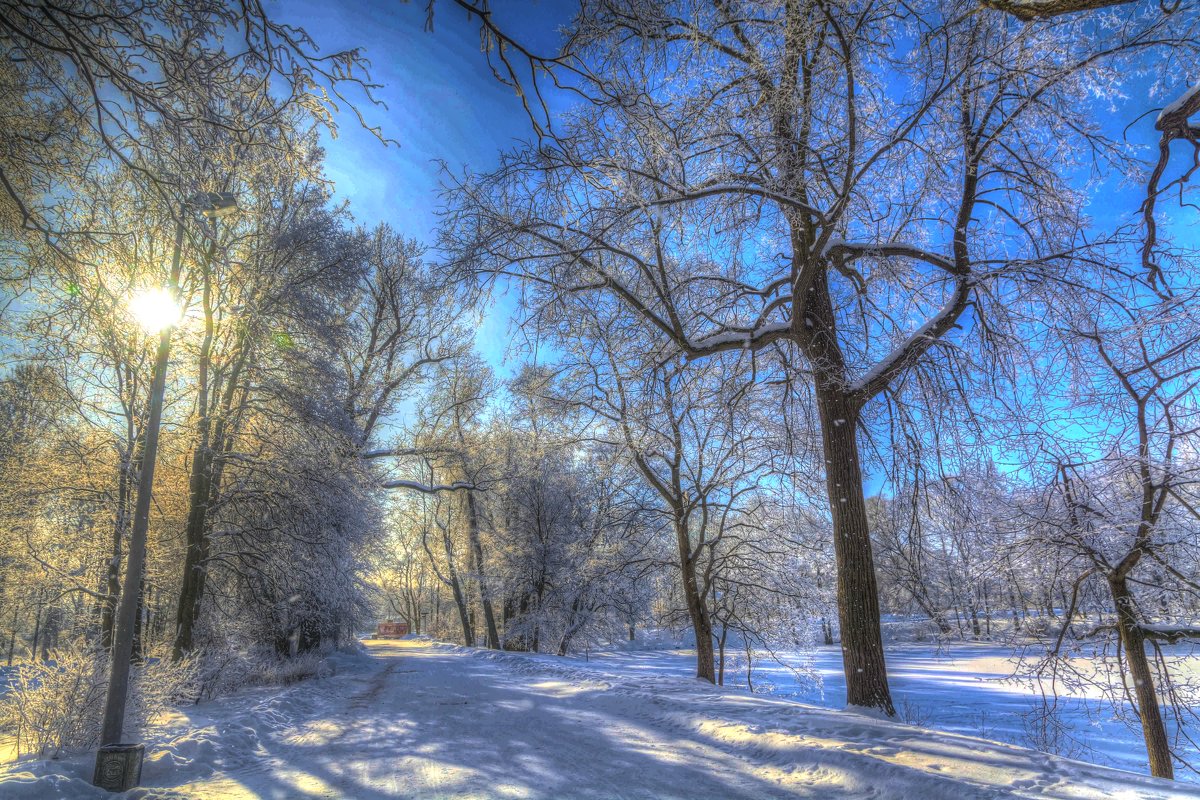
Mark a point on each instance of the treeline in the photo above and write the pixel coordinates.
(527, 519)
(298, 333)
(295, 334)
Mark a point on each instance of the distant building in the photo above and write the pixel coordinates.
(391, 630)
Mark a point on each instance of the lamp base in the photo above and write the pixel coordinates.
(119, 766)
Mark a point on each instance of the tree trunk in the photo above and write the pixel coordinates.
(217, 430)
(50, 630)
(539, 592)
(573, 626)
(489, 617)
(37, 633)
(199, 484)
(202, 491)
(515, 608)
(857, 593)
(1016, 610)
(111, 589)
(195, 560)
(156, 615)
(456, 587)
(697, 611)
(12, 635)
(1158, 747)
(937, 616)
(749, 664)
(858, 599)
(112, 572)
(721, 654)
(463, 616)
(139, 626)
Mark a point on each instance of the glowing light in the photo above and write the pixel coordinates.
(155, 309)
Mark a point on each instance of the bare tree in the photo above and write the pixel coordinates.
(692, 431)
(756, 179)
(1122, 503)
(406, 321)
(94, 76)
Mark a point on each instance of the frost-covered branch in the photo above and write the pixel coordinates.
(400, 452)
(918, 343)
(1174, 123)
(1170, 633)
(428, 488)
(893, 249)
(1030, 10)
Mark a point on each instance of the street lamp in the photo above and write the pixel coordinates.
(213, 205)
(155, 309)
(118, 764)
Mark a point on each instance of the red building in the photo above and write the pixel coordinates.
(391, 630)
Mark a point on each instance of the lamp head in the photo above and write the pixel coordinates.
(213, 204)
(155, 309)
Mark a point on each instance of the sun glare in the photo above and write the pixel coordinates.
(154, 309)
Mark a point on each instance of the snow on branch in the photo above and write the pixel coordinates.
(1173, 122)
(683, 195)
(734, 339)
(1170, 633)
(371, 455)
(427, 488)
(1030, 10)
(1175, 115)
(898, 249)
(882, 374)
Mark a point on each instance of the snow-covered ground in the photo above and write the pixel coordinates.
(978, 689)
(415, 719)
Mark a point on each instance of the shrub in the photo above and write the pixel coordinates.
(224, 672)
(1048, 728)
(56, 706)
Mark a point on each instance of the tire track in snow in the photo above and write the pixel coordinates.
(362, 701)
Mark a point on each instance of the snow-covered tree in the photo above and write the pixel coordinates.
(843, 185)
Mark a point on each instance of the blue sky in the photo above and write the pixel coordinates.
(443, 104)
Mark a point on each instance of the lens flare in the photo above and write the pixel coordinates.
(155, 309)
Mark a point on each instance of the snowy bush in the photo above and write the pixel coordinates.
(1040, 626)
(914, 713)
(56, 706)
(158, 686)
(282, 671)
(224, 672)
(221, 672)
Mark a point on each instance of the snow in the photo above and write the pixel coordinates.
(417, 486)
(417, 719)
(963, 687)
(742, 338)
(1179, 104)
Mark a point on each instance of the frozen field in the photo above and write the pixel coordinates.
(415, 719)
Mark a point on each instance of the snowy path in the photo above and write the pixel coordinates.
(419, 720)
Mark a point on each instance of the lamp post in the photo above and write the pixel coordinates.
(119, 765)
